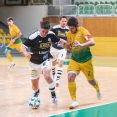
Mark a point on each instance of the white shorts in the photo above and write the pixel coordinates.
(58, 54)
(36, 70)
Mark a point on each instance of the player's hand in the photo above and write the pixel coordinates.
(63, 43)
(13, 40)
(28, 54)
(69, 44)
(77, 43)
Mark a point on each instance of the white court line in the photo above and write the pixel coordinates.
(81, 109)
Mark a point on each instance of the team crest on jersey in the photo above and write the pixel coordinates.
(49, 39)
(77, 36)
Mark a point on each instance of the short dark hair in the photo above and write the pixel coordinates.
(72, 21)
(63, 17)
(9, 18)
(45, 24)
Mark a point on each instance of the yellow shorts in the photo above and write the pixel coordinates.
(85, 67)
(12, 46)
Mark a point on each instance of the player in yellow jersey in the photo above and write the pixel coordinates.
(81, 60)
(16, 41)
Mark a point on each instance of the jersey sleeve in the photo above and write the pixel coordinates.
(53, 30)
(17, 30)
(55, 38)
(28, 43)
(86, 34)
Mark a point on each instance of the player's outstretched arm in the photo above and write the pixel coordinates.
(27, 54)
(66, 44)
(18, 36)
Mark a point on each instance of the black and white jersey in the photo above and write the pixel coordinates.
(60, 32)
(40, 46)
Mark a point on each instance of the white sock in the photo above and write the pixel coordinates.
(59, 73)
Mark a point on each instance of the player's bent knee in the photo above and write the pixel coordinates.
(92, 82)
(71, 76)
(46, 75)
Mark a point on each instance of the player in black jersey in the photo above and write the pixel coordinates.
(39, 43)
(57, 51)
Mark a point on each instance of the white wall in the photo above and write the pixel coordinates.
(27, 18)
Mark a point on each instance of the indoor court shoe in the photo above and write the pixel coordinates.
(54, 101)
(73, 105)
(99, 95)
(57, 83)
(11, 65)
(36, 93)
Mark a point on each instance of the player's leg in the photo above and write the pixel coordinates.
(8, 54)
(88, 70)
(73, 70)
(53, 68)
(35, 75)
(61, 58)
(46, 68)
(35, 86)
(18, 48)
(54, 53)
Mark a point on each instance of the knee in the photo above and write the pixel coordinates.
(71, 77)
(47, 76)
(92, 82)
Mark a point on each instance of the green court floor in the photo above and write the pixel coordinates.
(106, 110)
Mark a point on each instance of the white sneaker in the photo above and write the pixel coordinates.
(57, 83)
(73, 105)
(99, 95)
(11, 65)
(54, 101)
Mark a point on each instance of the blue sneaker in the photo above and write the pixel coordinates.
(36, 93)
(54, 101)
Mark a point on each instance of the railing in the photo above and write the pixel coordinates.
(83, 10)
(104, 9)
(39, 2)
(87, 10)
(69, 10)
(1, 41)
(115, 10)
(5, 40)
(54, 10)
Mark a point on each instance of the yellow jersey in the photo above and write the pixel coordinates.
(14, 31)
(79, 54)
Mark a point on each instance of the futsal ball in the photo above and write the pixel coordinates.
(34, 102)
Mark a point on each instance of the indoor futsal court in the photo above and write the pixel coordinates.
(99, 17)
(15, 91)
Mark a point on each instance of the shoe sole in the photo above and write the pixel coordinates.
(54, 104)
(72, 107)
(12, 66)
(99, 98)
